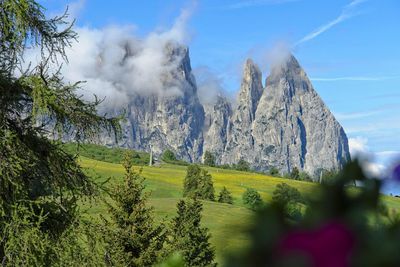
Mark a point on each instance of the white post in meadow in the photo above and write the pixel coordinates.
(151, 157)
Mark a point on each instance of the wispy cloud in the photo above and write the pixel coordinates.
(348, 12)
(254, 3)
(355, 78)
(76, 7)
(389, 153)
(355, 115)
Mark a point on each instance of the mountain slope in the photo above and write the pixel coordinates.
(293, 127)
(284, 124)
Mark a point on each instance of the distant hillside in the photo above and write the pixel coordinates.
(102, 153)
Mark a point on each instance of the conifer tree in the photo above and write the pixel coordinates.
(40, 184)
(225, 196)
(189, 237)
(135, 234)
(198, 183)
(191, 181)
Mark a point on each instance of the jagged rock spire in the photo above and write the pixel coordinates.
(250, 92)
(240, 140)
(293, 127)
(284, 125)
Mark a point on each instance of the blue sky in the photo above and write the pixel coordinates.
(350, 49)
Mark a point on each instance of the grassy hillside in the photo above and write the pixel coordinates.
(227, 223)
(102, 153)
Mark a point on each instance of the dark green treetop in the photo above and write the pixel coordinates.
(225, 196)
(209, 159)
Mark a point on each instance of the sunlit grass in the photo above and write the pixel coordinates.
(227, 223)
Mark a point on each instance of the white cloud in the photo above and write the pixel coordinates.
(117, 65)
(389, 153)
(359, 149)
(376, 164)
(374, 169)
(358, 146)
(347, 13)
(209, 85)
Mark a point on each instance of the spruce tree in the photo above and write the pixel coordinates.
(40, 183)
(189, 237)
(206, 186)
(225, 196)
(135, 233)
(191, 181)
(198, 183)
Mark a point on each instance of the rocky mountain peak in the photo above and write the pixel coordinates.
(284, 125)
(287, 67)
(293, 126)
(250, 90)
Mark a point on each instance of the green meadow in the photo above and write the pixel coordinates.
(227, 223)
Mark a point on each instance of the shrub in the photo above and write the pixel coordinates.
(252, 199)
(225, 196)
(304, 176)
(168, 156)
(293, 212)
(328, 176)
(295, 174)
(273, 171)
(243, 165)
(209, 159)
(285, 194)
(226, 166)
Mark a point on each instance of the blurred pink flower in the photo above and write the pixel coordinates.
(329, 246)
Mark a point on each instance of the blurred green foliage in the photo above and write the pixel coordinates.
(341, 226)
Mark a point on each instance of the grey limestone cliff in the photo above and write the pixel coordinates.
(293, 127)
(240, 142)
(284, 124)
(216, 121)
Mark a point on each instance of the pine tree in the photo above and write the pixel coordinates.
(189, 237)
(206, 186)
(135, 234)
(225, 196)
(39, 181)
(191, 182)
(198, 183)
